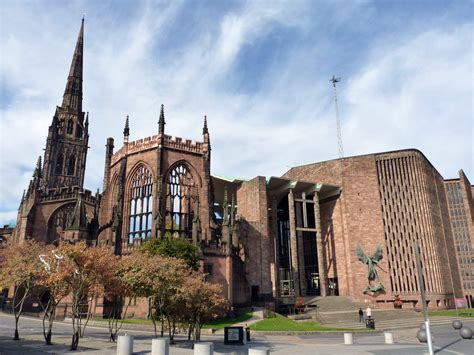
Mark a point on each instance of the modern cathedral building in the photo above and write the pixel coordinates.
(315, 231)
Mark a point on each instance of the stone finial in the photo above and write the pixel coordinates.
(126, 130)
(161, 122)
(205, 130)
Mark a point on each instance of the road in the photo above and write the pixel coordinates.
(95, 341)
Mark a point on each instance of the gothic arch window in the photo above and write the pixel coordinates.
(58, 168)
(70, 126)
(71, 165)
(181, 192)
(141, 202)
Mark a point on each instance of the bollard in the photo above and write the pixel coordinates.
(466, 332)
(203, 349)
(388, 338)
(160, 346)
(125, 345)
(348, 338)
(259, 351)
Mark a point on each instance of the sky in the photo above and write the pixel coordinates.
(259, 70)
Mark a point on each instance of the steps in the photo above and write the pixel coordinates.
(342, 312)
(393, 324)
(334, 303)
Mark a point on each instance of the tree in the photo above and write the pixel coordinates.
(132, 278)
(174, 247)
(202, 301)
(166, 282)
(55, 289)
(86, 271)
(20, 266)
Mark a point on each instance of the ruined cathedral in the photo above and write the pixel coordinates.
(265, 240)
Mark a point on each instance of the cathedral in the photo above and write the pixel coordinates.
(265, 240)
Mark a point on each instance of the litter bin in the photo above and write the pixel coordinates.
(370, 323)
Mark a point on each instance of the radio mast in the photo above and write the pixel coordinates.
(335, 80)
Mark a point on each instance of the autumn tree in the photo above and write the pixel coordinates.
(201, 301)
(132, 278)
(20, 267)
(86, 272)
(55, 288)
(168, 276)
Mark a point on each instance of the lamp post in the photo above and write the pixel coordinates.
(423, 298)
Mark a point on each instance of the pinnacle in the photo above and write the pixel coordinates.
(161, 122)
(205, 129)
(126, 130)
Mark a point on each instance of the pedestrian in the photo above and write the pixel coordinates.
(368, 313)
(361, 315)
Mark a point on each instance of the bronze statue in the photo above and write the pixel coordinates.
(371, 262)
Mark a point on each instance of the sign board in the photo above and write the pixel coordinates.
(460, 302)
(233, 335)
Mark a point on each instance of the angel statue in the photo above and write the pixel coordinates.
(371, 262)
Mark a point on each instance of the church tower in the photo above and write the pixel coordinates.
(56, 206)
(68, 136)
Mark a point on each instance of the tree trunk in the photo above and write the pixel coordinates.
(17, 336)
(49, 313)
(162, 326)
(75, 341)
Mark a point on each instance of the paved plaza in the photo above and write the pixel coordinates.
(447, 341)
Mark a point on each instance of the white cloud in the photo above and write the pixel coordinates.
(419, 94)
(417, 84)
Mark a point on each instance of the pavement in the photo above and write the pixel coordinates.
(446, 341)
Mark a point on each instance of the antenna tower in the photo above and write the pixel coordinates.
(335, 80)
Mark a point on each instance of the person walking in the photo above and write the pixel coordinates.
(361, 315)
(368, 313)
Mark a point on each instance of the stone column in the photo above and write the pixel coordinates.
(323, 281)
(276, 273)
(293, 245)
(300, 242)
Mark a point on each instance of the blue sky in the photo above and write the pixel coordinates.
(258, 69)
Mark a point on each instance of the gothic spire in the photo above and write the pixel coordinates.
(205, 130)
(161, 122)
(72, 98)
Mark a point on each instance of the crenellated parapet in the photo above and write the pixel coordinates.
(186, 145)
(140, 145)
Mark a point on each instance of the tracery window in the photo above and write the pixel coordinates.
(58, 169)
(70, 125)
(141, 202)
(180, 195)
(71, 165)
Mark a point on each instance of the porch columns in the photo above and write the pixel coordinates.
(276, 271)
(319, 247)
(293, 245)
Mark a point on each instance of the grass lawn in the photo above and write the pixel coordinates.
(217, 324)
(126, 320)
(280, 323)
(453, 313)
(227, 322)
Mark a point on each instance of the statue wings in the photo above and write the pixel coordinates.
(361, 255)
(377, 255)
